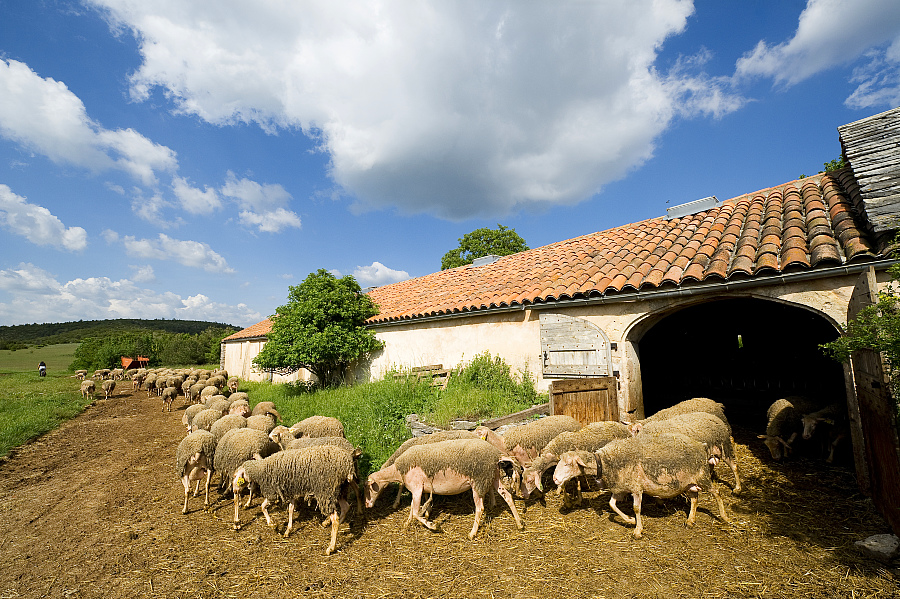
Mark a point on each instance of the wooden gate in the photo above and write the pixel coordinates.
(572, 347)
(876, 412)
(585, 400)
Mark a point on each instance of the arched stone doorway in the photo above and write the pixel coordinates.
(744, 352)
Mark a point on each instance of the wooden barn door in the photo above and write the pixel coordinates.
(876, 411)
(585, 400)
(573, 347)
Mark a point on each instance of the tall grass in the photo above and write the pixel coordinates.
(374, 414)
(31, 406)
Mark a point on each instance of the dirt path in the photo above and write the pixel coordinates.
(93, 510)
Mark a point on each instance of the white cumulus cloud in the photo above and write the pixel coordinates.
(263, 206)
(37, 296)
(194, 254)
(451, 108)
(377, 274)
(193, 199)
(829, 33)
(37, 224)
(43, 115)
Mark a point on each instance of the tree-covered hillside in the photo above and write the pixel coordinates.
(20, 336)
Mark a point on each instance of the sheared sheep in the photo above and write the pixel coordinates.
(705, 428)
(660, 465)
(448, 468)
(527, 441)
(194, 459)
(88, 388)
(590, 438)
(435, 437)
(225, 424)
(322, 473)
(108, 386)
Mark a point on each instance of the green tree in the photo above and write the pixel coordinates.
(501, 241)
(875, 327)
(321, 328)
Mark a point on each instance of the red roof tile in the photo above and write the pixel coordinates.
(799, 225)
(260, 329)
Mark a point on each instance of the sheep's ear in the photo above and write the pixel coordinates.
(760, 436)
(588, 468)
(356, 452)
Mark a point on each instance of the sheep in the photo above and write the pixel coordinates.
(281, 435)
(261, 422)
(108, 386)
(207, 391)
(448, 468)
(159, 384)
(697, 404)
(239, 396)
(150, 382)
(186, 388)
(88, 387)
(661, 465)
(318, 426)
(217, 381)
(233, 384)
(590, 438)
(236, 447)
(526, 442)
(705, 428)
(225, 424)
(168, 396)
(435, 437)
(194, 458)
(321, 473)
(240, 407)
(834, 415)
(193, 394)
(80, 374)
(339, 442)
(783, 425)
(266, 407)
(205, 419)
(217, 402)
(137, 379)
(189, 414)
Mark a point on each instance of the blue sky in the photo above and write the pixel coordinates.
(164, 160)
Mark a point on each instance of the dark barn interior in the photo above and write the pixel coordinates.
(745, 353)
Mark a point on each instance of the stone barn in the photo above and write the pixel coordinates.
(239, 349)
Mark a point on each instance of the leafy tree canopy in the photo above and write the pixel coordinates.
(501, 241)
(321, 328)
(875, 327)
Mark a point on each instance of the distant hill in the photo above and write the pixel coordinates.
(17, 336)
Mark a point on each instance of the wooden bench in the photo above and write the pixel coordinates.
(439, 375)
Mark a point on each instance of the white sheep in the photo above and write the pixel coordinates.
(194, 460)
(322, 473)
(108, 386)
(527, 441)
(319, 426)
(88, 387)
(189, 414)
(661, 465)
(448, 468)
(784, 424)
(168, 397)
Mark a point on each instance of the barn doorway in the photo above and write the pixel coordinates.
(743, 352)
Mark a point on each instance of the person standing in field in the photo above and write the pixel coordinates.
(42, 368)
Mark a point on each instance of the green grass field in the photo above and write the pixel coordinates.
(56, 357)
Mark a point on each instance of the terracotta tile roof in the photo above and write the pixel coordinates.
(260, 329)
(802, 225)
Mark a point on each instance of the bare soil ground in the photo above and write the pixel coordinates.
(93, 510)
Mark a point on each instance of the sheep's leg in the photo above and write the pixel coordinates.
(237, 507)
(508, 498)
(250, 496)
(335, 521)
(197, 487)
(263, 506)
(343, 510)
(290, 523)
(425, 511)
(639, 524)
(692, 494)
(715, 493)
(612, 504)
(479, 512)
(208, 476)
(359, 503)
(737, 481)
(185, 480)
(415, 510)
(397, 499)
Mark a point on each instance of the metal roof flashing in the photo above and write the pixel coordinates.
(692, 207)
(485, 260)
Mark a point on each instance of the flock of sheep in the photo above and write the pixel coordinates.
(673, 452)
